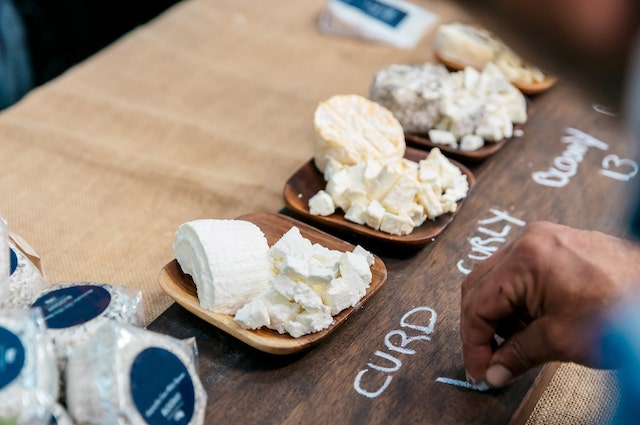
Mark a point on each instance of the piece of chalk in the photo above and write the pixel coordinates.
(482, 386)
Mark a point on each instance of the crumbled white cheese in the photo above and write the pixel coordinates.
(227, 259)
(312, 284)
(402, 195)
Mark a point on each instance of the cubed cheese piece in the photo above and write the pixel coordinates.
(357, 213)
(396, 224)
(443, 137)
(401, 196)
(253, 315)
(321, 204)
(375, 212)
(471, 142)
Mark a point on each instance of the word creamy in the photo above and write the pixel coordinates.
(565, 166)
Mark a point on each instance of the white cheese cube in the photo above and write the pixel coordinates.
(375, 212)
(321, 204)
(357, 213)
(401, 195)
(298, 292)
(443, 137)
(430, 201)
(396, 224)
(384, 181)
(359, 250)
(292, 243)
(309, 321)
(253, 315)
(471, 142)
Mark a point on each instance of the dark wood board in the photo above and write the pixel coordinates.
(318, 386)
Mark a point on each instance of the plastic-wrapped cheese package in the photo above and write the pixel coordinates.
(25, 280)
(396, 22)
(130, 375)
(28, 373)
(4, 261)
(59, 416)
(74, 311)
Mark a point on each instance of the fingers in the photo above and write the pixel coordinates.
(477, 328)
(521, 352)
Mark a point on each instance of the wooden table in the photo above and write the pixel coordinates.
(206, 112)
(356, 376)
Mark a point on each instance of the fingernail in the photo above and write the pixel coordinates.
(478, 385)
(498, 376)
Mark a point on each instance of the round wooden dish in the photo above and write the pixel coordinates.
(526, 88)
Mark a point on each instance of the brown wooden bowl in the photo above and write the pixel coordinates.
(308, 180)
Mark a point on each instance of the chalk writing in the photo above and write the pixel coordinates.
(622, 164)
(604, 110)
(463, 384)
(565, 166)
(490, 239)
(375, 379)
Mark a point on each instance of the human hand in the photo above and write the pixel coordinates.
(547, 293)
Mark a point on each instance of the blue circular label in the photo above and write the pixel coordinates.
(13, 259)
(161, 388)
(75, 305)
(11, 357)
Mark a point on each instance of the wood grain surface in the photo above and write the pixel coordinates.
(381, 365)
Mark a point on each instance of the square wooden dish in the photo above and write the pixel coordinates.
(181, 288)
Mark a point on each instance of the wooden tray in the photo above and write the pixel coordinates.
(422, 141)
(308, 180)
(181, 288)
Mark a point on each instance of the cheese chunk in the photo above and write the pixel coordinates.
(313, 283)
(414, 93)
(350, 129)
(321, 204)
(228, 260)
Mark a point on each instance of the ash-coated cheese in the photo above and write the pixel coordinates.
(413, 93)
(449, 107)
(351, 128)
(312, 284)
(228, 260)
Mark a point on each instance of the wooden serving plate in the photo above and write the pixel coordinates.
(422, 141)
(181, 288)
(308, 180)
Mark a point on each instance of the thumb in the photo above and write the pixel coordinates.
(521, 352)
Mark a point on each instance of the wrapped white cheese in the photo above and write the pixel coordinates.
(74, 311)
(129, 375)
(396, 22)
(20, 278)
(28, 373)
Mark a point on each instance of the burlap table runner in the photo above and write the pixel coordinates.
(204, 112)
